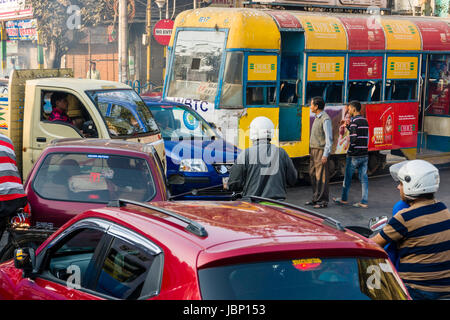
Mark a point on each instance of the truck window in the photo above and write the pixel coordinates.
(77, 114)
(124, 113)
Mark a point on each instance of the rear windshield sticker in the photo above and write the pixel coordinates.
(307, 264)
(94, 177)
(99, 156)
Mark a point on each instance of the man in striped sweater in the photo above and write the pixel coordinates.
(357, 155)
(12, 194)
(420, 232)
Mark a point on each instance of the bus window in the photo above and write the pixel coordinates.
(287, 92)
(439, 85)
(364, 90)
(331, 92)
(196, 64)
(260, 96)
(289, 67)
(399, 90)
(232, 81)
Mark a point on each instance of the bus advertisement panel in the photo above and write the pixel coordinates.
(365, 68)
(392, 125)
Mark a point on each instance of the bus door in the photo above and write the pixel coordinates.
(290, 110)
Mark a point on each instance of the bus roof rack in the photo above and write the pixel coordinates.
(326, 220)
(192, 227)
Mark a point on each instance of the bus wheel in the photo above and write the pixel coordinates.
(341, 166)
(332, 167)
(377, 162)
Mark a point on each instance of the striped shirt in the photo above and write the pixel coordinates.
(422, 234)
(10, 182)
(359, 136)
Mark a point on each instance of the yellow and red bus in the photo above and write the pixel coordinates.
(234, 64)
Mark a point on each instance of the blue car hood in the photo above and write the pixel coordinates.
(211, 151)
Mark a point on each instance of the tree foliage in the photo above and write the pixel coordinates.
(52, 23)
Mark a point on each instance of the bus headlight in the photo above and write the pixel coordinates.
(193, 165)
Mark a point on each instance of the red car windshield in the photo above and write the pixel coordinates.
(303, 279)
(94, 178)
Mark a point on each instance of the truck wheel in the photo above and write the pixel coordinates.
(30, 241)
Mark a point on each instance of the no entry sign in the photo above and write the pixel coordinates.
(162, 31)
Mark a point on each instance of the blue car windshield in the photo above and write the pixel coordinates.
(124, 112)
(177, 123)
(355, 278)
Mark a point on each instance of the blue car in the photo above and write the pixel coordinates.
(197, 157)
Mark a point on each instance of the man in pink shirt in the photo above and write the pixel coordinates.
(60, 107)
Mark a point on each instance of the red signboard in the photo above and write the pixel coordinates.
(163, 31)
(285, 20)
(392, 125)
(364, 33)
(365, 68)
(435, 34)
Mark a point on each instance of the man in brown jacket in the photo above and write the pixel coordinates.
(321, 140)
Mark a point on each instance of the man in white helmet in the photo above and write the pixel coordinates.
(262, 170)
(421, 232)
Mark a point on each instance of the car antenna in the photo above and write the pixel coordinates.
(193, 226)
(194, 191)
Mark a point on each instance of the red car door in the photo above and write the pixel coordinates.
(65, 268)
(42, 289)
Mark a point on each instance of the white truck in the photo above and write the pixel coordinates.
(102, 109)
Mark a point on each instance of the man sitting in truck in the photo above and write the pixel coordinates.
(60, 107)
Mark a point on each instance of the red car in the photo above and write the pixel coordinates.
(200, 250)
(74, 175)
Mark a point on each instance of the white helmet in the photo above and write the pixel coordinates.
(261, 128)
(417, 176)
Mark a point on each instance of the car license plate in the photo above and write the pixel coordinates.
(225, 182)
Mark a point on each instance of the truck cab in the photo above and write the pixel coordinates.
(27, 120)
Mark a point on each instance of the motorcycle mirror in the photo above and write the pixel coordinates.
(378, 223)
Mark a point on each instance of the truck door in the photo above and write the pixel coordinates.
(44, 129)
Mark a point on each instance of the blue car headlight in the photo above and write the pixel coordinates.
(193, 165)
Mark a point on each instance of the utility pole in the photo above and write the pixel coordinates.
(123, 41)
(148, 30)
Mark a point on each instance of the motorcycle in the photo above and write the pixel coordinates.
(375, 225)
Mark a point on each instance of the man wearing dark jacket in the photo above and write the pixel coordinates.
(262, 170)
